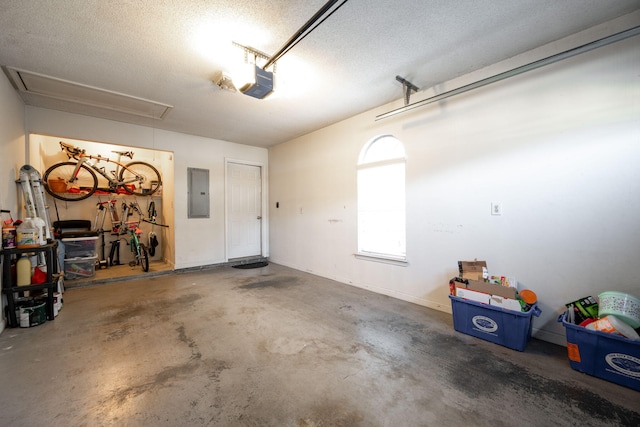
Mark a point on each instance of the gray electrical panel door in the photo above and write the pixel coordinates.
(198, 193)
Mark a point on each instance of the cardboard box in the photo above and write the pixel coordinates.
(474, 270)
(473, 295)
(491, 289)
(485, 287)
(506, 303)
(507, 281)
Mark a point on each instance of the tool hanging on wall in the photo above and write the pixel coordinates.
(153, 238)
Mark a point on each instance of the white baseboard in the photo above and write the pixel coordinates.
(559, 339)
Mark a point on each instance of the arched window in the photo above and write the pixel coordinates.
(381, 199)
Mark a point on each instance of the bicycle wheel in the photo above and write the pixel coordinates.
(144, 257)
(59, 181)
(140, 178)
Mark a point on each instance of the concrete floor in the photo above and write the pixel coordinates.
(279, 347)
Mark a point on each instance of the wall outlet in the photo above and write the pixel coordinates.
(496, 208)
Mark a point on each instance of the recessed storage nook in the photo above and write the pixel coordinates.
(114, 216)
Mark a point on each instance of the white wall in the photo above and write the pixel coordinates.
(198, 242)
(12, 144)
(559, 147)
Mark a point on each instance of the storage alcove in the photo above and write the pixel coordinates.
(46, 151)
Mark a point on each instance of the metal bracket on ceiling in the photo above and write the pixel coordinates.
(407, 88)
(248, 50)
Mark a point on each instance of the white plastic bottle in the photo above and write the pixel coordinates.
(41, 228)
(27, 234)
(23, 271)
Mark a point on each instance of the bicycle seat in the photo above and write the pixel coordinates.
(128, 154)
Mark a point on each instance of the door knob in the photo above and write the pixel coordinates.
(259, 217)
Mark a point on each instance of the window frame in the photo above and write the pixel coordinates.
(363, 164)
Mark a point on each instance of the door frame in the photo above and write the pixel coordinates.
(264, 229)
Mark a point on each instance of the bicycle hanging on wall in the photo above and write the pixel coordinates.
(77, 180)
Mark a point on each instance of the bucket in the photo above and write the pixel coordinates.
(31, 313)
(8, 237)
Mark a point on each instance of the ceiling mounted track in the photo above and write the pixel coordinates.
(516, 71)
(318, 18)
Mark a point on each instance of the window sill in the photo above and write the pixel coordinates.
(383, 259)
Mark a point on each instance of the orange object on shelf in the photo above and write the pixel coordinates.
(58, 185)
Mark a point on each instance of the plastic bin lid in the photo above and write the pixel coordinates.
(79, 235)
(80, 259)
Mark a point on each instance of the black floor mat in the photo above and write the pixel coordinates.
(252, 265)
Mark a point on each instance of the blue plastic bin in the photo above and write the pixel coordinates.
(607, 356)
(507, 328)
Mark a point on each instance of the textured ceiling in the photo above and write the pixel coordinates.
(168, 51)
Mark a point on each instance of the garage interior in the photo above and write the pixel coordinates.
(518, 128)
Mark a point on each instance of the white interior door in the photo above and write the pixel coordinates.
(244, 210)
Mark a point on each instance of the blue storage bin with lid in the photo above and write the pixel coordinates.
(507, 328)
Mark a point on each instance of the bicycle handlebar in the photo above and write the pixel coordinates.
(71, 150)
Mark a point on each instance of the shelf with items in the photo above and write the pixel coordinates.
(10, 288)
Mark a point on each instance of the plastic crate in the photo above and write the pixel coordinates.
(507, 328)
(603, 355)
(76, 268)
(80, 247)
